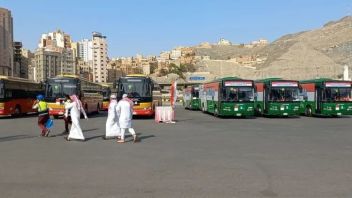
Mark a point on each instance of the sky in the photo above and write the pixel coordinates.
(150, 26)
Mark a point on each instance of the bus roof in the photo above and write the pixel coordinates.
(318, 80)
(268, 80)
(227, 78)
(67, 76)
(136, 75)
(9, 78)
(74, 77)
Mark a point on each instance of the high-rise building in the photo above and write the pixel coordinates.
(55, 39)
(48, 64)
(17, 60)
(100, 58)
(54, 56)
(27, 58)
(6, 42)
(85, 50)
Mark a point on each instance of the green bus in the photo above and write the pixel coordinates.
(230, 96)
(191, 98)
(326, 97)
(277, 97)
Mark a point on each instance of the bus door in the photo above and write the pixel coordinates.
(319, 95)
(266, 98)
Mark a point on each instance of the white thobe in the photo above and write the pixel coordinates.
(112, 122)
(124, 111)
(75, 131)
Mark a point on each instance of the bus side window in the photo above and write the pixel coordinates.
(8, 94)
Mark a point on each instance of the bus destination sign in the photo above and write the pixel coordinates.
(284, 84)
(238, 83)
(337, 84)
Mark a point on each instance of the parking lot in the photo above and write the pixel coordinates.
(198, 156)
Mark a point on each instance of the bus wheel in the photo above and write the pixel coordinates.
(86, 108)
(98, 109)
(216, 113)
(17, 111)
(259, 111)
(308, 111)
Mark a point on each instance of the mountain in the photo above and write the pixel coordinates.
(316, 53)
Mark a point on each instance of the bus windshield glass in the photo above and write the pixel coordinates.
(195, 93)
(60, 89)
(106, 94)
(135, 88)
(238, 94)
(2, 90)
(338, 94)
(69, 89)
(284, 94)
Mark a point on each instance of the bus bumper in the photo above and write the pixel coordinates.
(143, 112)
(105, 106)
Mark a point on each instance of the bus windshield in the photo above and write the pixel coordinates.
(238, 94)
(136, 88)
(195, 93)
(59, 90)
(284, 94)
(106, 94)
(337, 94)
(2, 91)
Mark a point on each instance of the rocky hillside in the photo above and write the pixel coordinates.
(316, 53)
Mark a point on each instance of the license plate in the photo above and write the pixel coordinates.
(282, 108)
(134, 113)
(285, 113)
(61, 113)
(337, 108)
(236, 109)
(238, 114)
(339, 114)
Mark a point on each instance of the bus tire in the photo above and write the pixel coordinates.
(259, 111)
(308, 111)
(98, 109)
(86, 108)
(17, 111)
(216, 112)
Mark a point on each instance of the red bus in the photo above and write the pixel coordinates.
(89, 93)
(17, 95)
(143, 91)
(106, 97)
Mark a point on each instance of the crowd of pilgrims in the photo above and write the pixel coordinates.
(119, 118)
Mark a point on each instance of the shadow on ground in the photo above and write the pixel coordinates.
(15, 137)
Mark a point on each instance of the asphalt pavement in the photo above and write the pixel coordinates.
(198, 156)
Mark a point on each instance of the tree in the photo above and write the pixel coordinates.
(153, 67)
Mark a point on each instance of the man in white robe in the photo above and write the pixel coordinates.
(75, 108)
(112, 122)
(125, 112)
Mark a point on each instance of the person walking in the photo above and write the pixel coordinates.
(67, 115)
(125, 111)
(43, 114)
(112, 122)
(76, 108)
